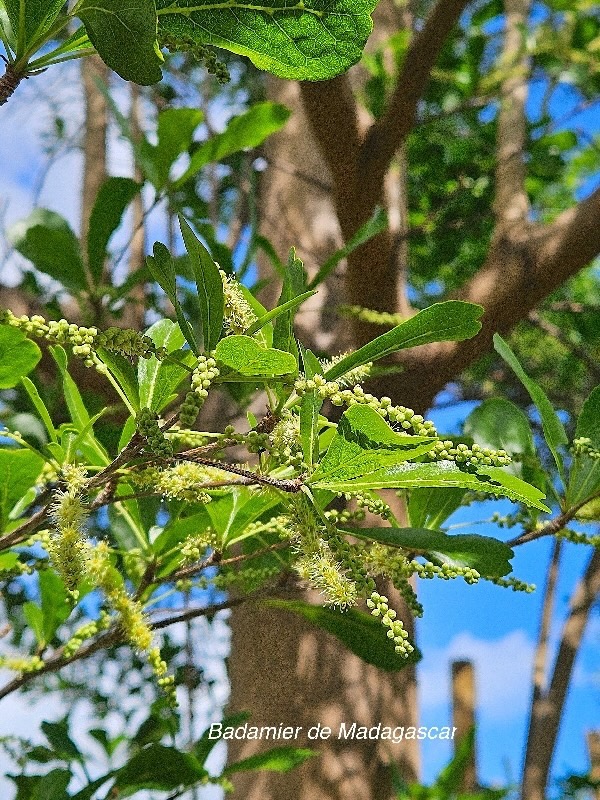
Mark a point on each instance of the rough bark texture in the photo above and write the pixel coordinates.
(94, 136)
(547, 708)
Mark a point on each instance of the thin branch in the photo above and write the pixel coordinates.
(546, 713)
(540, 664)
(389, 132)
(554, 526)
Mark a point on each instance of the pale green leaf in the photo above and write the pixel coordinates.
(19, 470)
(18, 356)
(159, 379)
(279, 759)
(247, 357)
(306, 40)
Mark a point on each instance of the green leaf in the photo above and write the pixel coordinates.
(209, 286)
(37, 18)
(363, 444)
(302, 41)
(35, 619)
(242, 132)
(373, 226)
(124, 34)
(310, 405)
(359, 632)
(55, 602)
(46, 239)
(40, 407)
(90, 447)
(293, 288)
(487, 555)
(57, 734)
(584, 480)
(231, 514)
(247, 357)
(124, 373)
(53, 785)
(451, 777)
(277, 312)
(158, 767)
(8, 560)
(175, 131)
(18, 356)
(161, 267)
(430, 508)
(279, 759)
(158, 380)
(445, 474)
(554, 432)
(19, 470)
(111, 201)
(452, 321)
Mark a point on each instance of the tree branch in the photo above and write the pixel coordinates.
(546, 712)
(511, 204)
(389, 132)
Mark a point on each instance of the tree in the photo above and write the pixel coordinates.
(356, 194)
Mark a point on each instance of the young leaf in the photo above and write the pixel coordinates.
(231, 514)
(310, 406)
(158, 380)
(161, 267)
(554, 432)
(46, 239)
(37, 17)
(124, 34)
(359, 632)
(451, 321)
(19, 470)
(364, 443)
(242, 132)
(279, 759)
(293, 288)
(18, 356)
(209, 286)
(488, 556)
(278, 312)
(110, 204)
(246, 357)
(300, 41)
(376, 224)
(124, 373)
(491, 480)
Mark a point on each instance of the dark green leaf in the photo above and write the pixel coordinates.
(209, 286)
(451, 321)
(19, 470)
(492, 480)
(451, 778)
(18, 356)
(124, 34)
(376, 224)
(161, 267)
(55, 602)
(310, 405)
(359, 632)
(244, 131)
(279, 759)
(294, 287)
(554, 432)
(158, 767)
(57, 734)
(53, 786)
(430, 508)
(158, 380)
(364, 443)
(111, 201)
(46, 239)
(247, 357)
(205, 745)
(231, 514)
(488, 556)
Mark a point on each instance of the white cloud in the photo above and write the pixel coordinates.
(502, 673)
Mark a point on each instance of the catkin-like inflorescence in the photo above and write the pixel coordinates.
(67, 545)
(238, 313)
(205, 372)
(147, 426)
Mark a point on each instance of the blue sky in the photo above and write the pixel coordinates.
(494, 627)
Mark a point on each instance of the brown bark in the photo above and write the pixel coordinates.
(546, 711)
(94, 136)
(463, 716)
(593, 743)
